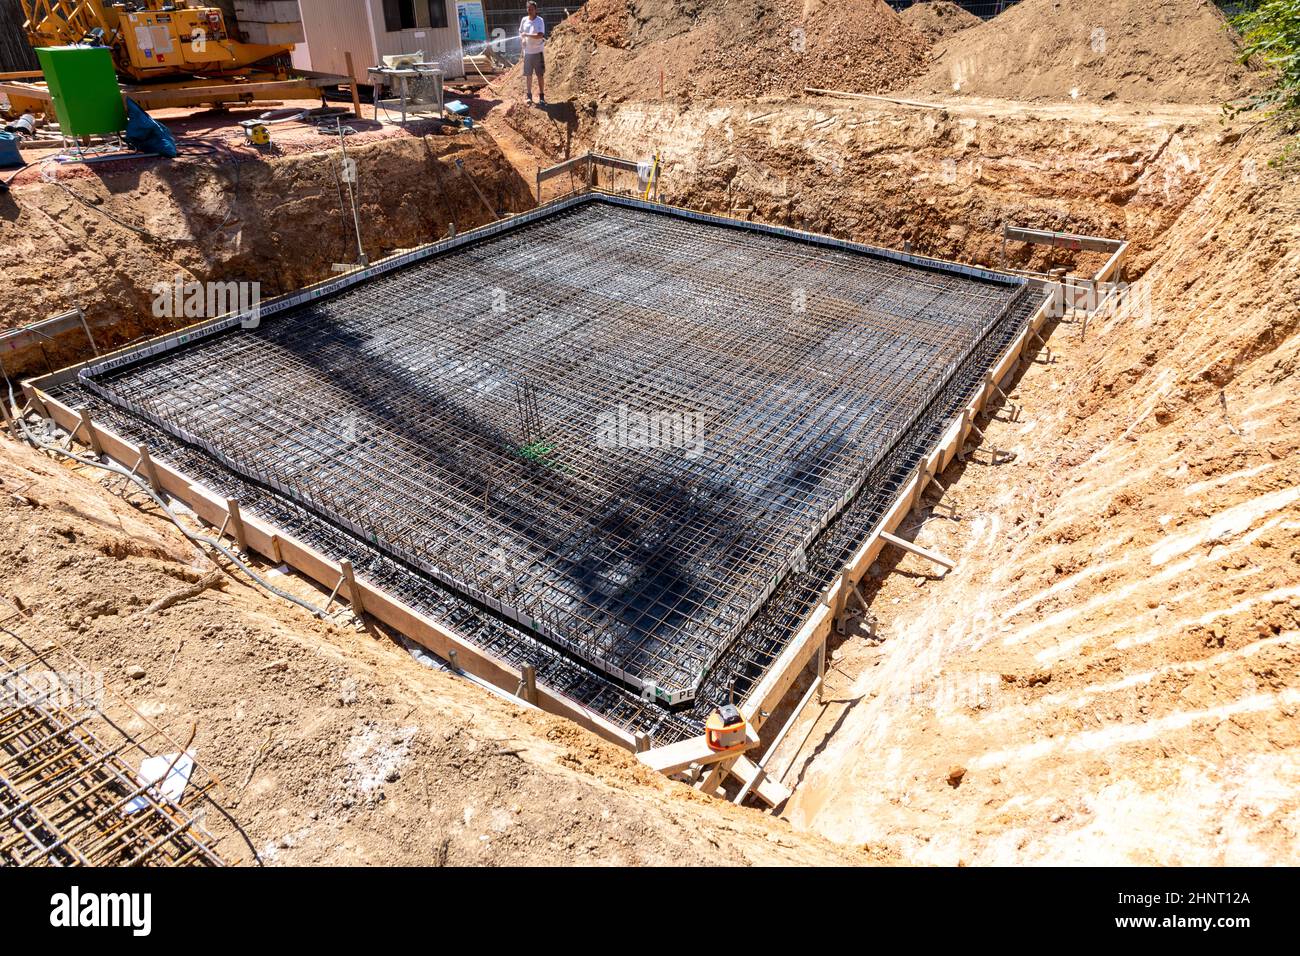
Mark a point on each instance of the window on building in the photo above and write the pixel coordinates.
(412, 14)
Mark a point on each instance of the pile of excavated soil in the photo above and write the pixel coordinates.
(103, 242)
(616, 50)
(1172, 51)
(936, 19)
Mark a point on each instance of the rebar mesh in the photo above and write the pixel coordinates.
(452, 412)
(68, 793)
(738, 670)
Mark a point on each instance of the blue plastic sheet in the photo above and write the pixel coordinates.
(146, 134)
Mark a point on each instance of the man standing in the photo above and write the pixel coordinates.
(532, 36)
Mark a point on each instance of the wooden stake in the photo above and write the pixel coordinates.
(528, 673)
(354, 593)
(237, 524)
(356, 97)
(92, 436)
(932, 556)
(146, 467)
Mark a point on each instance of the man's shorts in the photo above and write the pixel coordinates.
(534, 63)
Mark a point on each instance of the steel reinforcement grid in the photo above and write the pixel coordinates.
(618, 426)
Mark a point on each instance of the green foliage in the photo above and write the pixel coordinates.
(1270, 31)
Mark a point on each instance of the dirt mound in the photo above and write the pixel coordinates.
(1173, 51)
(936, 19)
(103, 242)
(616, 50)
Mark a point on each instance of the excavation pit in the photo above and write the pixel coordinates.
(602, 434)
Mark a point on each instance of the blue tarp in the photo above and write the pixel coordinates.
(147, 134)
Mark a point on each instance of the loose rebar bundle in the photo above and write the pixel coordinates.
(68, 793)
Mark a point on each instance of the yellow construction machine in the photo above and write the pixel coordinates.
(172, 52)
(153, 39)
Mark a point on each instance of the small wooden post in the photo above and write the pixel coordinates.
(352, 77)
(146, 467)
(529, 675)
(642, 742)
(92, 436)
(237, 524)
(821, 672)
(354, 593)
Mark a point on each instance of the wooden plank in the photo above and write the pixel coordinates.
(15, 90)
(597, 159)
(933, 557)
(559, 169)
(768, 790)
(352, 83)
(38, 333)
(714, 779)
(1061, 240)
(677, 757)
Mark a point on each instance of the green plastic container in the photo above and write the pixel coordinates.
(83, 85)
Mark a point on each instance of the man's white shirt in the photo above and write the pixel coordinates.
(532, 44)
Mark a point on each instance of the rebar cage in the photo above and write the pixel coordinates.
(620, 427)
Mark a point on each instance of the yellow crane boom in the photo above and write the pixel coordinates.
(150, 39)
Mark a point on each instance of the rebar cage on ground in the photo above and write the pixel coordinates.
(619, 427)
(759, 643)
